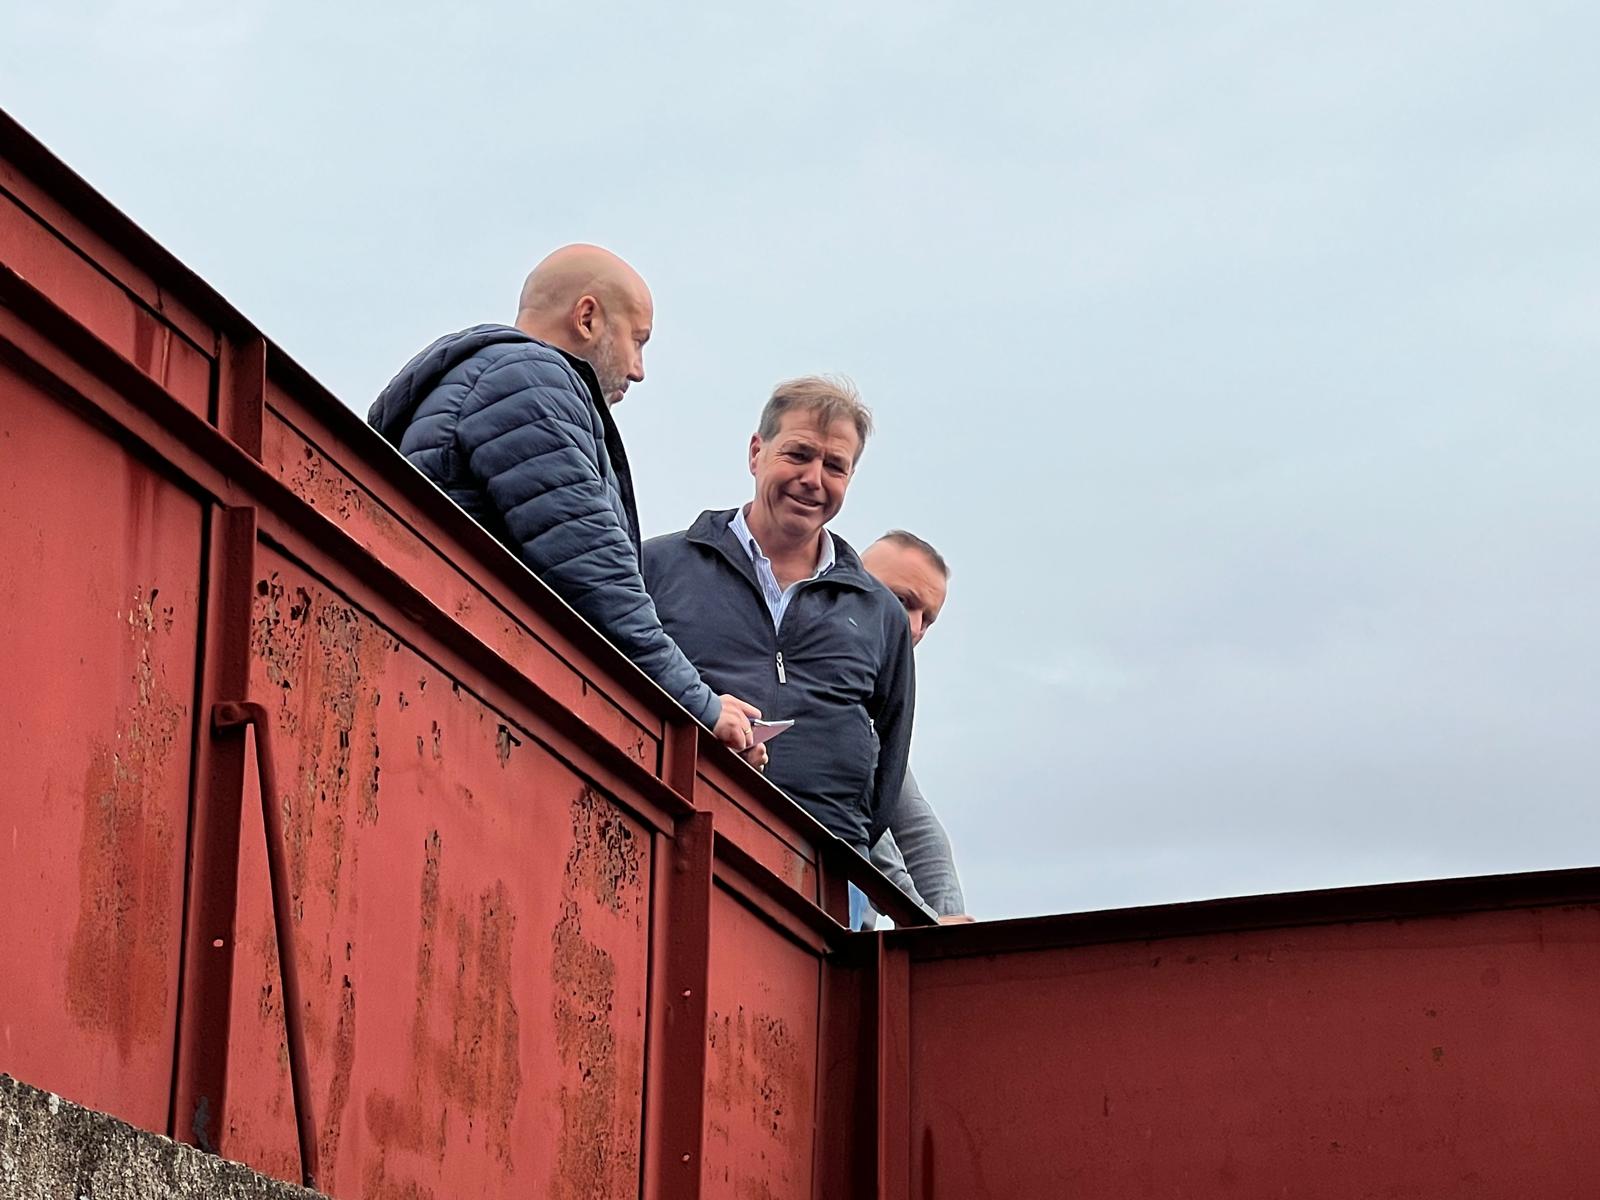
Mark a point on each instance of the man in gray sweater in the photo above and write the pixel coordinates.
(915, 851)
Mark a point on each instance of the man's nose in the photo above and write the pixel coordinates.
(637, 374)
(812, 475)
(916, 628)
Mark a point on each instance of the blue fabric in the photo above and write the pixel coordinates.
(516, 432)
(858, 908)
(847, 675)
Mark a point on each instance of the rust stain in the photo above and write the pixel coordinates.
(597, 1152)
(376, 1185)
(465, 956)
(503, 742)
(118, 963)
(584, 977)
(321, 484)
(605, 857)
(325, 659)
(760, 1073)
(478, 1066)
(794, 870)
(343, 1057)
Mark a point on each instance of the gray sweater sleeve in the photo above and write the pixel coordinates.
(887, 858)
(926, 846)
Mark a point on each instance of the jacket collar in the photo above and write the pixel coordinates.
(710, 529)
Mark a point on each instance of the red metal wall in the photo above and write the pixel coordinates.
(1407, 1042)
(547, 940)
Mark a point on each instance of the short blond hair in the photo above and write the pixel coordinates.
(828, 398)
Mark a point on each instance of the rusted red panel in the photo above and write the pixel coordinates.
(471, 925)
(330, 488)
(775, 845)
(761, 1071)
(141, 334)
(59, 200)
(101, 588)
(1430, 1057)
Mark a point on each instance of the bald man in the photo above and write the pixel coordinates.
(514, 423)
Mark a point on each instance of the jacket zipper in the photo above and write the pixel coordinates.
(782, 678)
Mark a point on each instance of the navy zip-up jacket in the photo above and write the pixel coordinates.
(516, 432)
(840, 665)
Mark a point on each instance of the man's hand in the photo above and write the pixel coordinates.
(957, 919)
(733, 726)
(756, 756)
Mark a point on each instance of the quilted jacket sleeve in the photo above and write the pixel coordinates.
(529, 433)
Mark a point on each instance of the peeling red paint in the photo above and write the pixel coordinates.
(325, 658)
(321, 484)
(761, 1071)
(118, 966)
(597, 1154)
(464, 972)
(342, 1055)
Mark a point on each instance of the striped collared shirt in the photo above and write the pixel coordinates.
(777, 598)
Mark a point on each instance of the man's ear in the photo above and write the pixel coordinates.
(755, 451)
(586, 318)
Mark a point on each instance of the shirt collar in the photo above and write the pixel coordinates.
(747, 542)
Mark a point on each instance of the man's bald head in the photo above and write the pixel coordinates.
(590, 303)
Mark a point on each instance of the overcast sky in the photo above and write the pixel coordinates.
(1242, 358)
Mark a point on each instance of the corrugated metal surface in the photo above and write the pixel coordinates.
(547, 940)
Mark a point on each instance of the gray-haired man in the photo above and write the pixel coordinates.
(770, 604)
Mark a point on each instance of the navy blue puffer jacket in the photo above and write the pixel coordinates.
(516, 432)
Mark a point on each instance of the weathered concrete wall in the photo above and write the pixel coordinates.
(51, 1149)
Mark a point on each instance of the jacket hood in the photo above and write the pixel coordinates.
(392, 411)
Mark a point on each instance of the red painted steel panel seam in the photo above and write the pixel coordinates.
(680, 968)
(1331, 906)
(769, 897)
(680, 755)
(230, 716)
(150, 306)
(799, 831)
(893, 1019)
(120, 237)
(241, 395)
(205, 977)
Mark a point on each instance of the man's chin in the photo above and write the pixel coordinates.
(803, 523)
